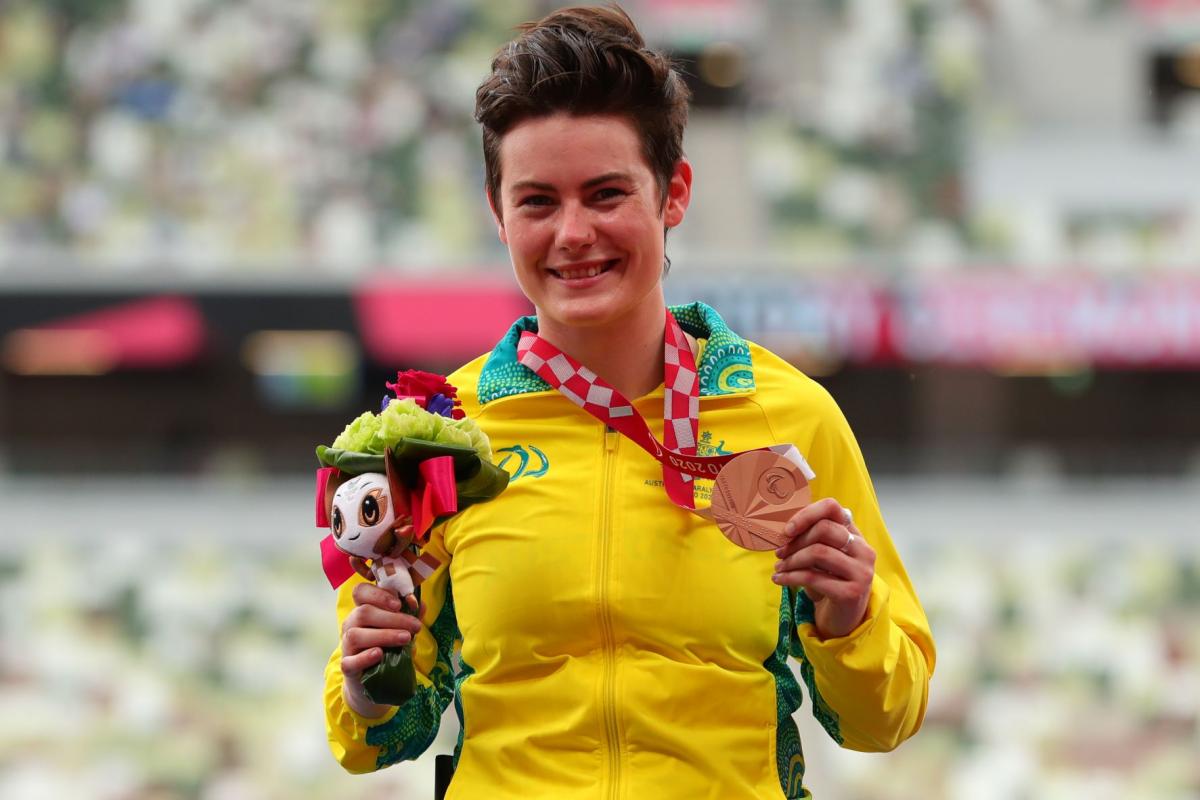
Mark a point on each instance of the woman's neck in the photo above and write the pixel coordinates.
(628, 353)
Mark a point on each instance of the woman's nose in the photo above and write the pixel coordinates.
(576, 229)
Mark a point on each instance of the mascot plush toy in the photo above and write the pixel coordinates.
(383, 483)
(369, 521)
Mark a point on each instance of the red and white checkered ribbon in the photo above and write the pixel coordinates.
(421, 565)
(681, 407)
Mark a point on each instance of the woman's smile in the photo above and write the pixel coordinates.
(577, 275)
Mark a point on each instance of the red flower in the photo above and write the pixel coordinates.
(422, 386)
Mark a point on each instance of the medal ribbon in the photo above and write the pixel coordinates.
(681, 409)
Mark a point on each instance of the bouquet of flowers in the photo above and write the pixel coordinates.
(383, 484)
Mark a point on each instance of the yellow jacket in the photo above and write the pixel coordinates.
(611, 645)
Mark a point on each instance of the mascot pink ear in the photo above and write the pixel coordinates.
(324, 474)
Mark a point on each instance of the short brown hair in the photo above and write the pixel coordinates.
(584, 61)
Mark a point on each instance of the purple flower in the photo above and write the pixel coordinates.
(384, 405)
(440, 404)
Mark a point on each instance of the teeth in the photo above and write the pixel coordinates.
(584, 272)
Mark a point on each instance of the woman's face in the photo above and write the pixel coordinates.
(581, 214)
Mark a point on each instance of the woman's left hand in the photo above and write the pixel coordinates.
(832, 561)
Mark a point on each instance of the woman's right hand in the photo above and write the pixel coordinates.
(377, 621)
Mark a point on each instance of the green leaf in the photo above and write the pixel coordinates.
(391, 682)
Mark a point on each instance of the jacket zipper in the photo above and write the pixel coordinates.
(607, 638)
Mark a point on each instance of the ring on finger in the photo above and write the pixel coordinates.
(850, 537)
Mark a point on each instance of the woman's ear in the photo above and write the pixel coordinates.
(499, 219)
(679, 194)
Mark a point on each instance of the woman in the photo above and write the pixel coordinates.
(612, 643)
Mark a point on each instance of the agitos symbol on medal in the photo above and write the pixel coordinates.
(755, 495)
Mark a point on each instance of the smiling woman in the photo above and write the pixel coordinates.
(610, 641)
(580, 212)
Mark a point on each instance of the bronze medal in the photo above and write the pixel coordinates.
(755, 495)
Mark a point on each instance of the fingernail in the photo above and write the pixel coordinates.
(776, 578)
(790, 528)
(778, 566)
(849, 516)
(395, 605)
(779, 552)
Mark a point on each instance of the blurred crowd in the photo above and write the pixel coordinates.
(281, 135)
(884, 156)
(217, 135)
(167, 666)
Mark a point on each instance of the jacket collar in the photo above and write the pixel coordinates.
(724, 366)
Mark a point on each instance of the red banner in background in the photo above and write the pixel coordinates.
(152, 333)
(414, 322)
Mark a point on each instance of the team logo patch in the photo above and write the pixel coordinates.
(524, 461)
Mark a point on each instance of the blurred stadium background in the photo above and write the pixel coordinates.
(224, 224)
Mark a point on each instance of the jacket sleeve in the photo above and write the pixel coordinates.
(869, 689)
(404, 732)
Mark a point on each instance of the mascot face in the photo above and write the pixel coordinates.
(363, 516)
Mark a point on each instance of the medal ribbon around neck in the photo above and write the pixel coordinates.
(681, 411)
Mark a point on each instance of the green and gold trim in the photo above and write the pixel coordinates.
(725, 367)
